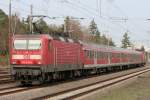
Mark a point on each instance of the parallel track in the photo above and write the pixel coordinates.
(5, 76)
(84, 90)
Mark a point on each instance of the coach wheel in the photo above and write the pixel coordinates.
(72, 74)
(23, 83)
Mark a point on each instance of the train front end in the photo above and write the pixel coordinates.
(26, 57)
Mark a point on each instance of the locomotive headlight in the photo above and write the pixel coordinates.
(35, 56)
(39, 62)
(14, 62)
(17, 56)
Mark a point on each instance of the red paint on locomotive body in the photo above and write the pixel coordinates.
(27, 50)
(43, 50)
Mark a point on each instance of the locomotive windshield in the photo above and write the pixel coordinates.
(20, 44)
(27, 44)
(34, 44)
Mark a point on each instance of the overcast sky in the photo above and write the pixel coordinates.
(110, 21)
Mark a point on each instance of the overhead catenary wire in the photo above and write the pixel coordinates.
(91, 11)
(126, 18)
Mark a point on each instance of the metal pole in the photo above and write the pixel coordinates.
(99, 7)
(31, 13)
(10, 17)
(108, 40)
(64, 26)
(9, 37)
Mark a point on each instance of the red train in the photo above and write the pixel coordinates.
(43, 58)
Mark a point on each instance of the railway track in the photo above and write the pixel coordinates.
(5, 76)
(78, 93)
(7, 91)
(67, 92)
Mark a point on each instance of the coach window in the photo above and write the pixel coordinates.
(98, 56)
(112, 55)
(86, 53)
(106, 55)
(95, 54)
(101, 55)
(91, 54)
(122, 55)
(118, 55)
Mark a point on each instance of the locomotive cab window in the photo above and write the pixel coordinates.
(20, 44)
(27, 44)
(34, 44)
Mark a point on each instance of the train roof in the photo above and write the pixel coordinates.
(92, 46)
(86, 46)
(30, 35)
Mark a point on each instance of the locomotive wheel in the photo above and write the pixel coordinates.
(41, 79)
(50, 77)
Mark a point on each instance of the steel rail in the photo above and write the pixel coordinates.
(80, 91)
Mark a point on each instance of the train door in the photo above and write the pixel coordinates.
(95, 57)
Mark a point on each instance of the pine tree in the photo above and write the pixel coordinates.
(104, 40)
(67, 24)
(42, 26)
(126, 41)
(142, 48)
(93, 28)
(111, 43)
(97, 37)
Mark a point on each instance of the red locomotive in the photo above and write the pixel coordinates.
(43, 58)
